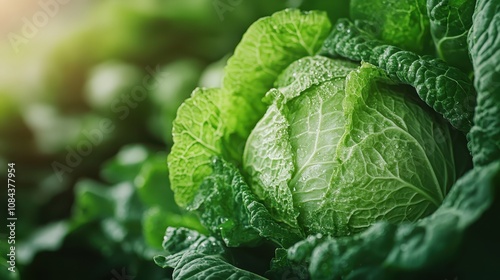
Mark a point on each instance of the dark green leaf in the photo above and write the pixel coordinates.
(450, 23)
(195, 256)
(484, 46)
(401, 23)
(231, 211)
(446, 89)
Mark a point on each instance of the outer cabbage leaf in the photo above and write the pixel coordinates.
(229, 209)
(216, 122)
(450, 23)
(265, 50)
(444, 88)
(402, 23)
(388, 251)
(195, 256)
(198, 133)
(484, 45)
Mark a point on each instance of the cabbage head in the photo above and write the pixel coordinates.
(341, 147)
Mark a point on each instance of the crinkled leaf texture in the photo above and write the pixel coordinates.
(195, 256)
(216, 122)
(230, 210)
(198, 133)
(339, 149)
(389, 251)
(450, 23)
(444, 88)
(267, 48)
(484, 46)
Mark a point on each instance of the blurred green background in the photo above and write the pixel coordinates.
(88, 91)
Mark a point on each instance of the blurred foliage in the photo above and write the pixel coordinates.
(125, 214)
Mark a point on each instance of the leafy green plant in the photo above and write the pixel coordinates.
(116, 223)
(344, 152)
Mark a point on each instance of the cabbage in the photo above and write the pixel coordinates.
(340, 148)
(343, 151)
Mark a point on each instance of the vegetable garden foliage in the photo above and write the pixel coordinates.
(344, 149)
